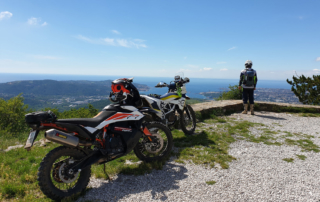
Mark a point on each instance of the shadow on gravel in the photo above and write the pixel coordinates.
(270, 117)
(156, 183)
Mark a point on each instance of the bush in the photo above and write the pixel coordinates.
(13, 111)
(12, 114)
(233, 94)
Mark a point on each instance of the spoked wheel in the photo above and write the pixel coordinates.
(55, 178)
(160, 146)
(188, 120)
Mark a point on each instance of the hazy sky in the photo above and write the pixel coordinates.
(205, 39)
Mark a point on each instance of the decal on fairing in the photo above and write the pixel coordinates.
(134, 116)
(123, 129)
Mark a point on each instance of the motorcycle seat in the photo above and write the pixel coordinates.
(91, 122)
(154, 95)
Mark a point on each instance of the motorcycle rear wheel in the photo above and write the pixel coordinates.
(160, 146)
(188, 124)
(52, 177)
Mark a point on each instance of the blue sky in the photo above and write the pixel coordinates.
(205, 39)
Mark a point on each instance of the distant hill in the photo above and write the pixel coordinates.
(52, 87)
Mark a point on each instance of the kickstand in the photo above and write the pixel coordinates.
(104, 169)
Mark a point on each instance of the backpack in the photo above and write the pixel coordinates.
(40, 116)
(249, 77)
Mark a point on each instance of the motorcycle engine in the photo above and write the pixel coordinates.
(115, 144)
(171, 117)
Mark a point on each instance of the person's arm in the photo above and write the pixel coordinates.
(255, 79)
(241, 80)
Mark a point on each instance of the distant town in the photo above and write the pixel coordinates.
(265, 94)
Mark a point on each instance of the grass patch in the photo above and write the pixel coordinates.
(295, 109)
(205, 148)
(215, 119)
(18, 168)
(309, 114)
(210, 182)
(304, 144)
(289, 160)
(18, 172)
(302, 157)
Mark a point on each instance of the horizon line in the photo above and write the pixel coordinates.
(123, 77)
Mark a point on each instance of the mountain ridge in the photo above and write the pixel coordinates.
(53, 87)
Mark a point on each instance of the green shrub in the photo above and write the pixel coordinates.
(12, 114)
(233, 94)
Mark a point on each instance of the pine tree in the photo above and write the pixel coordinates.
(306, 89)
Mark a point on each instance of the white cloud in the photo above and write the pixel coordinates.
(83, 38)
(33, 21)
(193, 66)
(224, 69)
(115, 32)
(184, 70)
(5, 14)
(207, 68)
(138, 43)
(232, 48)
(36, 21)
(316, 70)
(46, 57)
(128, 43)
(123, 42)
(221, 63)
(318, 59)
(109, 41)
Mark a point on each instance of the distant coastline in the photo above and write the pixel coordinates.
(194, 88)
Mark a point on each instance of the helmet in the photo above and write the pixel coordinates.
(119, 90)
(248, 64)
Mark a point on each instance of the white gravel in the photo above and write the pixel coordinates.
(258, 174)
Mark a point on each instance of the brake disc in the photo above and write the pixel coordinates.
(156, 145)
(64, 177)
(55, 173)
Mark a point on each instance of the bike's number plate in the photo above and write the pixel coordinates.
(30, 139)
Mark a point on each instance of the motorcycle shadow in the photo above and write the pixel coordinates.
(157, 183)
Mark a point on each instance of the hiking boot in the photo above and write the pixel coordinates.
(245, 111)
(251, 109)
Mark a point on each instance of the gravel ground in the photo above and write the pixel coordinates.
(258, 174)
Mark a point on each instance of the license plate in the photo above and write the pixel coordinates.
(31, 138)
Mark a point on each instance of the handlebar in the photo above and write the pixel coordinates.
(158, 86)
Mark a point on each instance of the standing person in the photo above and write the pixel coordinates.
(248, 81)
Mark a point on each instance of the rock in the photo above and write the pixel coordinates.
(42, 143)
(47, 141)
(128, 162)
(13, 147)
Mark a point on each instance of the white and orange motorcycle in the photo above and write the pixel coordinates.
(114, 132)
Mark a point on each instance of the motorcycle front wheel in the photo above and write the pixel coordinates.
(160, 146)
(188, 120)
(56, 181)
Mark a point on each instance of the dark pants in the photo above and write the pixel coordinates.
(247, 93)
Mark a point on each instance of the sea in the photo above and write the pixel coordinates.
(194, 88)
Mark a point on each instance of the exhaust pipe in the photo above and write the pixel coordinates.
(62, 137)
